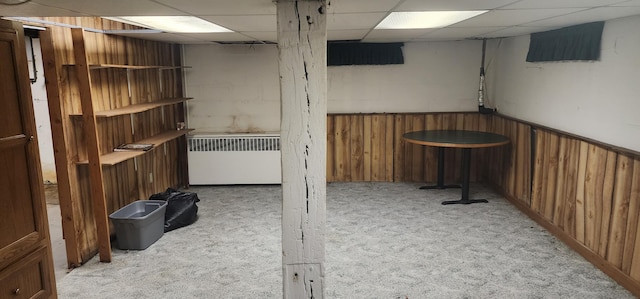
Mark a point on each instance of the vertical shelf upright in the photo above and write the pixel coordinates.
(96, 177)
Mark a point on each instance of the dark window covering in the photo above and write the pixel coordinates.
(344, 53)
(580, 42)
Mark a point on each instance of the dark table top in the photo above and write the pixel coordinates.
(456, 138)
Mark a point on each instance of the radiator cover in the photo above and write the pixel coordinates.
(230, 159)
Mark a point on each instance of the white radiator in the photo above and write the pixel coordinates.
(234, 159)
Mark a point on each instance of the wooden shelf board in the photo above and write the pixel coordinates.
(118, 66)
(114, 158)
(132, 67)
(137, 108)
(164, 137)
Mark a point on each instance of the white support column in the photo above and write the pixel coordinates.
(302, 48)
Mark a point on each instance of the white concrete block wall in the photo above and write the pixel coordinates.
(436, 76)
(235, 87)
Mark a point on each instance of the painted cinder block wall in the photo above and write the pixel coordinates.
(236, 88)
(599, 100)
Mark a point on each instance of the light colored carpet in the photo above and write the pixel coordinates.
(383, 240)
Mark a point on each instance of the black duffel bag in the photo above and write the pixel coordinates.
(181, 208)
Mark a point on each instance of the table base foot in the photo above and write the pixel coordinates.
(464, 201)
(440, 187)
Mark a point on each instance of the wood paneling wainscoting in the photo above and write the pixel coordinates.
(584, 192)
(369, 147)
(588, 195)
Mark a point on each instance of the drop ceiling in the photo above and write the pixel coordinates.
(255, 20)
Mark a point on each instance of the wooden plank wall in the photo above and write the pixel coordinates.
(369, 147)
(584, 192)
(360, 147)
(130, 180)
(591, 193)
(508, 168)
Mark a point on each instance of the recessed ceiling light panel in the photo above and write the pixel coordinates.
(173, 24)
(425, 19)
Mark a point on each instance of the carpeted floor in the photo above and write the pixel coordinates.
(383, 240)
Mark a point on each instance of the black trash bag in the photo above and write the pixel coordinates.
(181, 208)
(163, 195)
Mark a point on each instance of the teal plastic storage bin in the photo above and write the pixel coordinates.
(139, 224)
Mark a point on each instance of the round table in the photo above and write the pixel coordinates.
(466, 140)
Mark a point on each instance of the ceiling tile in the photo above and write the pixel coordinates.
(395, 35)
(350, 6)
(513, 17)
(331, 35)
(434, 39)
(114, 7)
(33, 9)
(353, 21)
(164, 37)
(222, 7)
(589, 15)
(268, 36)
(386, 40)
(346, 34)
(220, 36)
(245, 23)
(458, 32)
(628, 3)
(435, 5)
(515, 31)
(255, 20)
(527, 4)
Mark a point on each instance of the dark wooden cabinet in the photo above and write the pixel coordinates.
(26, 266)
(28, 278)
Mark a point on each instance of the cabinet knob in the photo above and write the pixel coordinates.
(16, 291)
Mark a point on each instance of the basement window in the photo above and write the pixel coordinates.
(580, 42)
(354, 53)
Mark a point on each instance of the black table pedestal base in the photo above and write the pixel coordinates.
(465, 140)
(464, 201)
(440, 183)
(466, 162)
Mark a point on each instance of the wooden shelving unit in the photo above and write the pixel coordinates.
(150, 106)
(113, 158)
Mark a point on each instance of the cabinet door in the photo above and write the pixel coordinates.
(26, 278)
(23, 215)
